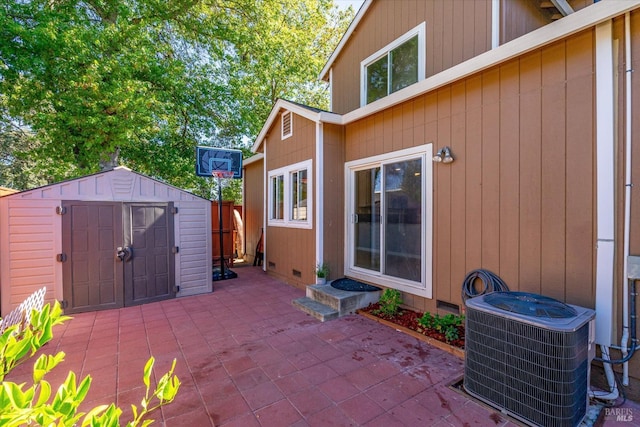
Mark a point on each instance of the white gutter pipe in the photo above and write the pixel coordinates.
(495, 23)
(624, 341)
(611, 379)
(605, 202)
(319, 195)
(563, 6)
(605, 185)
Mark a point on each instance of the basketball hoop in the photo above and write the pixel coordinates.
(222, 174)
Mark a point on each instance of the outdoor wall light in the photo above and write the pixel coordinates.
(443, 155)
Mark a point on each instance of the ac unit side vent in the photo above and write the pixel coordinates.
(535, 373)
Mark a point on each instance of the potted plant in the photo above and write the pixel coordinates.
(322, 272)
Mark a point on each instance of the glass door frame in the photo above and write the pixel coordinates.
(424, 287)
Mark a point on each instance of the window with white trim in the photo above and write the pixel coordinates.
(394, 67)
(287, 125)
(299, 195)
(290, 202)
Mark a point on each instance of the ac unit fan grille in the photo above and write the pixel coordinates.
(535, 374)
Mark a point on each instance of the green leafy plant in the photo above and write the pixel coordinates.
(390, 301)
(447, 324)
(35, 405)
(24, 339)
(322, 270)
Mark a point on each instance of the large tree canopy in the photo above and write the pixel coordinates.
(142, 82)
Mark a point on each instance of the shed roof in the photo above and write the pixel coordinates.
(123, 182)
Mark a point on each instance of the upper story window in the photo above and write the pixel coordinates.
(290, 202)
(396, 66)
(287, 124)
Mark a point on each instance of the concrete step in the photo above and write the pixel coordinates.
(344, 302)
(316, 309)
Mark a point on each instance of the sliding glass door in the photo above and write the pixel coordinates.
(389, 220)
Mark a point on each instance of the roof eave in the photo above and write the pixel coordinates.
(345, 38)
(321, 116)
(578, 21)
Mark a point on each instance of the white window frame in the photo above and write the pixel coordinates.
(286, 171)
(423, 288)
(284, 135)
(420, 31)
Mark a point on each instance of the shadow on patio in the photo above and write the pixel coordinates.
(246, 357)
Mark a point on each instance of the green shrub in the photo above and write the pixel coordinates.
(390, 301)
(447, 324)
(19, 341)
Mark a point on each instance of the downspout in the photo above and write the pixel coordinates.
(605, 190)
(331, 89)
(628, 307)
(627, 197)
(319, 205)
(495, 23)
(265, 206)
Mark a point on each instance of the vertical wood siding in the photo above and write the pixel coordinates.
(519, 198)
(253, 209)
(456, 31)
(288, 249)
(334, 208)
(519, 17)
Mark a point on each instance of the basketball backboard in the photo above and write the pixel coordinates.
(210, 159)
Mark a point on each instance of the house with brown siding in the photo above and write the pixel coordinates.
(493, 134)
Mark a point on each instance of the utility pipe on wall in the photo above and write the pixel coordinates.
(605, 184)
(627, 197)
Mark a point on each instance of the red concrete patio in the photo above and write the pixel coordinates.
(246, 357)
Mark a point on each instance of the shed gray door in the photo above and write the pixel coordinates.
(91, 277)
(148, 232)
(94, 233)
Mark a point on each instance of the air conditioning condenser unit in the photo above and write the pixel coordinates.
(529, 356)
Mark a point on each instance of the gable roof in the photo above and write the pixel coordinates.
(314, 114)
(347, 35)
(5, 190)
(119, 171)
(581, 20)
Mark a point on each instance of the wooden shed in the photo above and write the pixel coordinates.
(108, 240)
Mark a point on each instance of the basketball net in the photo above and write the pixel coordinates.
(222, 174)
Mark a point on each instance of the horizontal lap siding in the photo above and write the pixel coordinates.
(457, 30)
(520, 197)
(193, 266)
(29, 249)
